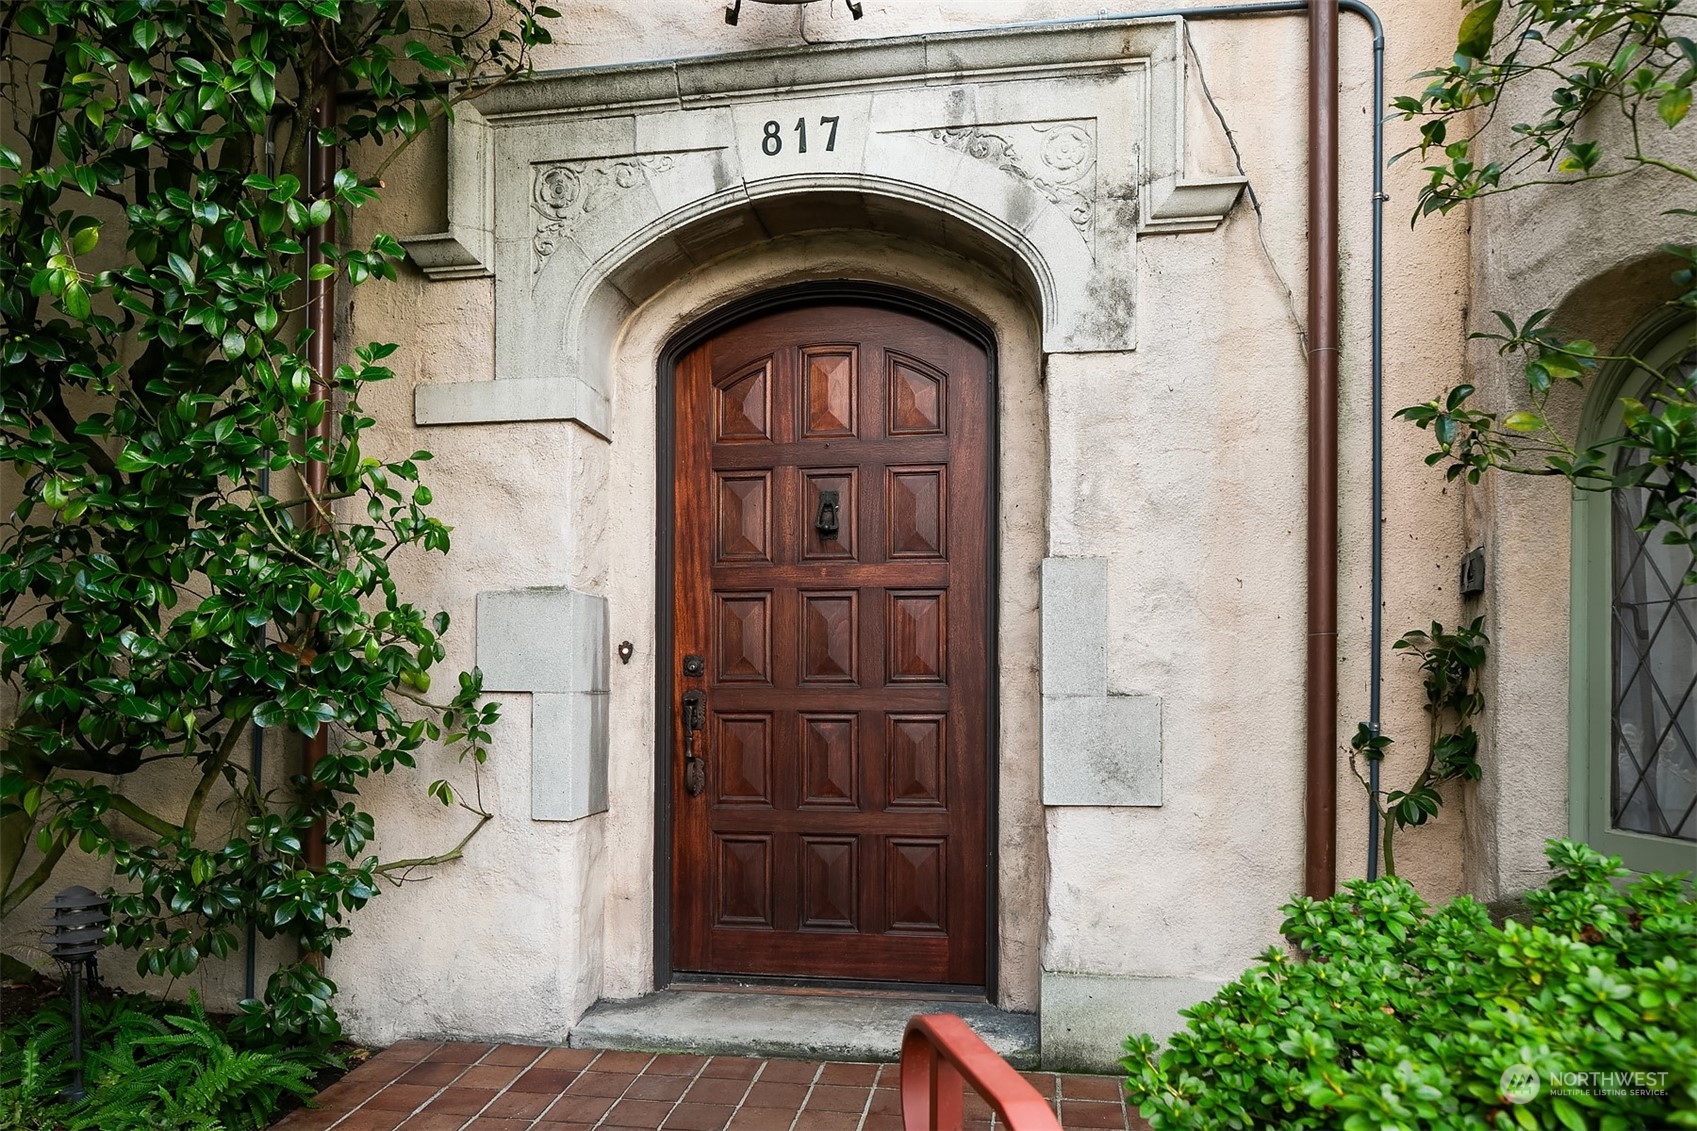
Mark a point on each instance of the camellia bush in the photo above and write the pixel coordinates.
(1393, 1016)
(170, 576)
(1615, 82)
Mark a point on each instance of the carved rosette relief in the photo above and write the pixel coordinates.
(1066, 152)
(566, 193)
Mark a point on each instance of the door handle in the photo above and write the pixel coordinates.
(694, 718)
(826, 523)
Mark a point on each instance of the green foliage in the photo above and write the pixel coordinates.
(1658, 432)
(173, 573)
(1391, 1016)
(1590, 61)
(1450, 663)
(1635, 60)
(148, 1066)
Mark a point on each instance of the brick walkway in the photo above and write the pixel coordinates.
(426, 1086)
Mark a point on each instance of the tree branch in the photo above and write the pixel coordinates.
(1677, 170)
(455, 853)
(66, 425)
(157, 825)
(36, 878)
(191, 815)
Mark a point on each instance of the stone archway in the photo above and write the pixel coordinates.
(628, 536)
(1041, 154)
(1011, 174)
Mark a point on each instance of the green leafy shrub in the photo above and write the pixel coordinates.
(1391, 1016)
(1450, 663)
(148, 1066)
(175, 571)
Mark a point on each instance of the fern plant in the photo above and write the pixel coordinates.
(148, 1067)
(27, 1104)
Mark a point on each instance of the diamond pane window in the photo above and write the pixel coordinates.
(1653, 774)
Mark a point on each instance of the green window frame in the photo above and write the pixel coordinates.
(1592, 730)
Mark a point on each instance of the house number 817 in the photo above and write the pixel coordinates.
(772, 139)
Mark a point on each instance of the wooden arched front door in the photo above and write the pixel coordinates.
(828, 768)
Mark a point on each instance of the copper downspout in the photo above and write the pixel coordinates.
(320, 321)
(1320, 795)
(1321, 787)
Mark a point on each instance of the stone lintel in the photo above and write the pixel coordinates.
(1192, 205)
(467, 249)
(492, 402)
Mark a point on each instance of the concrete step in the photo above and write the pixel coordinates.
(799, 1026)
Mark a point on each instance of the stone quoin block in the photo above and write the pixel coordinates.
(542, 640)
(553, 644)
(568, 755)
(1098, 748)
(1102, 750)
(1086, 1016)
(1075, 626)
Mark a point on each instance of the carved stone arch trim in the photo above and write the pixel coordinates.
(787, 296)
(869, 201)
(637, 269)
(1042, 154)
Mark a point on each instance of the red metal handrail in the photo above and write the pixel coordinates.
(941, 1054)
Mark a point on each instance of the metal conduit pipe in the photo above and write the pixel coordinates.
(320, 322)
(1321, 708)
(1376, 585)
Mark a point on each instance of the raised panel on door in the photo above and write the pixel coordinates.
(744, 405)
(830, 883)
(742, 626)
(828, 391)
(819, 484)
(743, 744)
(743, 896)
(831, 541)
(829, 746)
(916, 760)
(743, 517)
(916, 511)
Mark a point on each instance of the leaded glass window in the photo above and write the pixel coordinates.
(1653, 774)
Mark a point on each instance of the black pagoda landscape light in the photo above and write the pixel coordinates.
(78, 928)
(734, 8)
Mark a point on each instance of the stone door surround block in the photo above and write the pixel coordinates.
(552, 643)
(1099, 748)
(1041, 154)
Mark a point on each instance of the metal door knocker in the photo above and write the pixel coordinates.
(826, 523)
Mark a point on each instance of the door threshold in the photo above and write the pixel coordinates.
(807, 1026)
(825, 987)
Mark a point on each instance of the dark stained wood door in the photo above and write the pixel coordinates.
(840, 831)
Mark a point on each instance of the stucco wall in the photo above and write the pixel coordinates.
(1179, 463)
